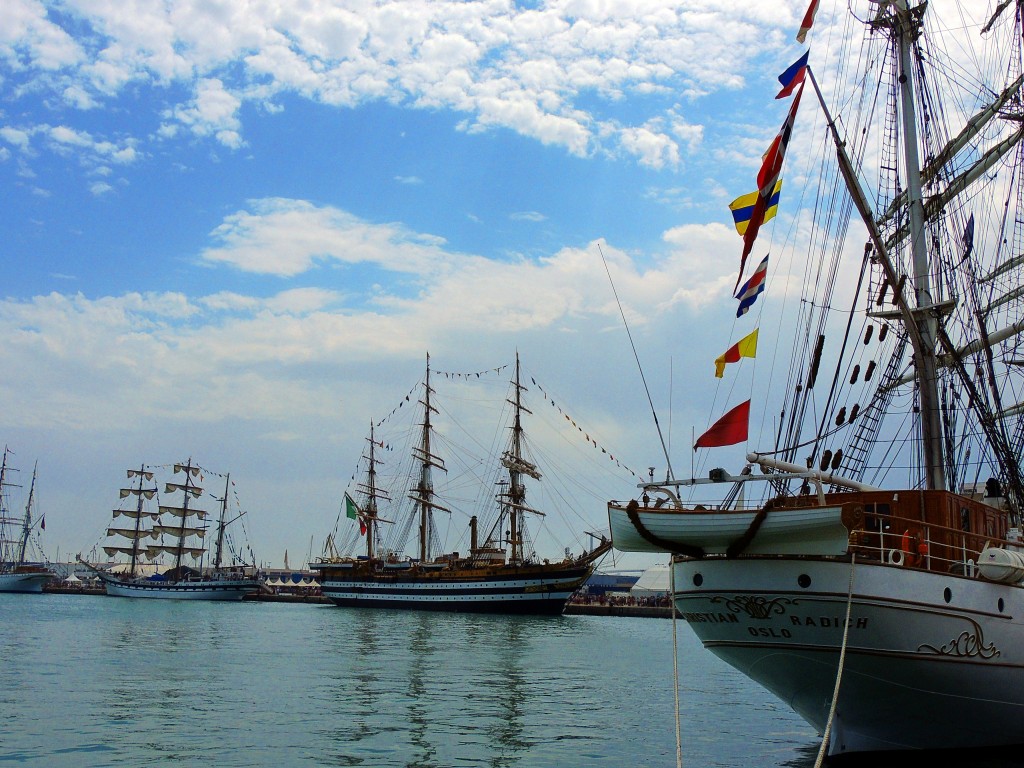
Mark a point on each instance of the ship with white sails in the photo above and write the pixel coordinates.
(865, 563)
(17, 572)
(177, 529)
(500, 571)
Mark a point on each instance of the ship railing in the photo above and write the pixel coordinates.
(911, 543)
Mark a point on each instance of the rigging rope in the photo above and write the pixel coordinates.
(675, 657)
(839, 671)
(664, 448)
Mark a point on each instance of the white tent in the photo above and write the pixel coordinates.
(654, 582)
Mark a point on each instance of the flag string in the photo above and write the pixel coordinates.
(586, 435)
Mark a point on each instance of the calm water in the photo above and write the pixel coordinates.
(93, 681)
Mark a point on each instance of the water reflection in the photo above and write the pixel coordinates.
(450, 688)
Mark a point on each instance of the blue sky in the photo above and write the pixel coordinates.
(233, 230)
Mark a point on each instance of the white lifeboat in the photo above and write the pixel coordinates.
(1002, 565)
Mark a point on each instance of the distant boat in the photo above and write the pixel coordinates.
(16, 573)
(500, 575)
(184, 524)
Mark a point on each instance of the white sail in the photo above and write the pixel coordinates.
(111, 550)
(195, 490)
(183, 512)
(131, 533)
(155, 550)
(135, 514)
(175, 530)
(149, 493)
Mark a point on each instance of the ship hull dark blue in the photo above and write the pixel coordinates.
(505, 590)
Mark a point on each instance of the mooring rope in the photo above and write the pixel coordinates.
(839, 671)
(675, 656)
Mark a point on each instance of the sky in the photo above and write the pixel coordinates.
(233, 230)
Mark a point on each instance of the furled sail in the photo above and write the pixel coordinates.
(111, 551)
(149, 493)
(182, 512)
(195, 490)
(134, 514)
(155, 551)
(175, 530)
(131, 533)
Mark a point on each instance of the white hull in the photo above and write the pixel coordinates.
(805, 531)
(933, 660)
(214, 589)
(23, 582)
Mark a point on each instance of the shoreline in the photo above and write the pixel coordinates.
(571, 609)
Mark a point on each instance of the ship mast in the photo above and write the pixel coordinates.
(221, 525)
(138, 522)
(920, 320)
(6, 544)
(423, 493)
(906, 27)
(517, 466)
(26, 526)
(372, 493)
(190, 490)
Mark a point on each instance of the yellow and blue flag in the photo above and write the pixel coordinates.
(743, 207)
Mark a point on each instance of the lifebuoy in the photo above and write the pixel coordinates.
(913, 547)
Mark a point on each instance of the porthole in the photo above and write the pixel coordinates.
(947, 594)
(803, 580)
(1001, 605)
(697, 579)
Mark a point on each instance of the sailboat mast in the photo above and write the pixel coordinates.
(218, 552)
(907, 28)
(26, 526)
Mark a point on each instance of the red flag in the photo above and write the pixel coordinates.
(362, 528)
(771, 169)
(728, 430)
(808, 22)
(42, 522)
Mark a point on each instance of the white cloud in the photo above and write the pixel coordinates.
(534, 71)
(15, 137)
(213, 111)
(288, 237)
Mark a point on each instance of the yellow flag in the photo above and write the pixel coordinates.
(745, 347)
(743, 206)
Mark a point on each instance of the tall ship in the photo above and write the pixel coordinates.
(862, 559)
(17, 572)
(176, 529)
(499, 573)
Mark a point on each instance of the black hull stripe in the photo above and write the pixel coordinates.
(523, 607)
(387, 589)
